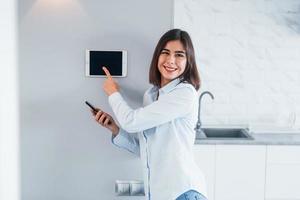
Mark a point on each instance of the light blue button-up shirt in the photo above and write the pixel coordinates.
(165, 129)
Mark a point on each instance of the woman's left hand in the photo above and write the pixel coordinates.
(109, 86)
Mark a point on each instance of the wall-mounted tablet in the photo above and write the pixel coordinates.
(114, 60)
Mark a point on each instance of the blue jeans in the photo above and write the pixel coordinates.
(191, 195)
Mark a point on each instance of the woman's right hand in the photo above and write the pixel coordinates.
(106, 121)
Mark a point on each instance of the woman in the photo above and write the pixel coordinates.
(165, 124)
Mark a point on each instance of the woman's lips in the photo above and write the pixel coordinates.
(169, 69)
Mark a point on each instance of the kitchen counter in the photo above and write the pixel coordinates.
(258, 139)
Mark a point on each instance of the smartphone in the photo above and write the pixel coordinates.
(91, 106)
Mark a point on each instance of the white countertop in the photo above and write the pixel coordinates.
(259, 139)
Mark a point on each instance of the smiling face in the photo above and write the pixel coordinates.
(172, 61)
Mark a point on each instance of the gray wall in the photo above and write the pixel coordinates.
(64, 153)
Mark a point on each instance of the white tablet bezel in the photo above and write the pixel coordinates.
(87, 63)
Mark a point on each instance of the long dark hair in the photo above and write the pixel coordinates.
(190, 73)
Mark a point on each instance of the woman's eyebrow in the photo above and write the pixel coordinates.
(175, 51)
(180, 52)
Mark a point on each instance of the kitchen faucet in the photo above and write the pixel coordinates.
(199, 131)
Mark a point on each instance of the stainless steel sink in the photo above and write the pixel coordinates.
(227, 133)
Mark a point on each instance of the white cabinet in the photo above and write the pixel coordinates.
(247, 172)
(240, 172)
(283, 173)
(205, 158)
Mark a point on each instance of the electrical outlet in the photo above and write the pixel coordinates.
(122, 188)
(137, 188)
(129, 188)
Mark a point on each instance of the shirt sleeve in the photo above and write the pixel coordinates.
(174, 104)
(126, 141)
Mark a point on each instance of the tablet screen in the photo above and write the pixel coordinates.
(112, 60)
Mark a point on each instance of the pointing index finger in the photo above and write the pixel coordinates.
(107, 72)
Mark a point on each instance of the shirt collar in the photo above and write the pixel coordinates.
(169, 86)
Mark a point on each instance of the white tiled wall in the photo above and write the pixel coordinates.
(248, 54)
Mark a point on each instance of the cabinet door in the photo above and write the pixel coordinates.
(240, 172)
(283, 172)
(205, 158)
